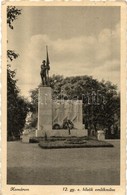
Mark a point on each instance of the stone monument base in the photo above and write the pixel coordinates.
(44, 111)
(27, 134)
(101, 135)
(25, 139)
(62, 133)
(73, 132)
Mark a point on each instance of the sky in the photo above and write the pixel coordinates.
(82, 40)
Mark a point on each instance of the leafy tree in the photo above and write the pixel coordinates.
(12, 15)
(34, 100)
(17, 106)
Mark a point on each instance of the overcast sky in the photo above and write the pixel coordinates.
(81, 41)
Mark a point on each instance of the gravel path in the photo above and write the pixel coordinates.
(29, 164)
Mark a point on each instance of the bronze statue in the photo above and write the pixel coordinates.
(44, 73)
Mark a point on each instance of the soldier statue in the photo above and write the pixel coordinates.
(44, 73)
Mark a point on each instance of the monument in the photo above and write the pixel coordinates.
(56, 117)
(44, 100)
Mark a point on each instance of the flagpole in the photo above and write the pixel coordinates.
(47, 63)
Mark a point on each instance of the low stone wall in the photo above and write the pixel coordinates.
(62, 133)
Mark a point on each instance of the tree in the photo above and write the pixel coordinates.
(12, 15)
(17, 106)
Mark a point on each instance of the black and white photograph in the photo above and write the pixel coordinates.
(64, 123)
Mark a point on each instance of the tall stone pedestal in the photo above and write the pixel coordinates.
(44, 111)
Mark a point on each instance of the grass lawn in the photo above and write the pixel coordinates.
(29, 164)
